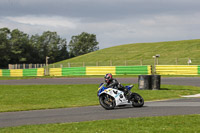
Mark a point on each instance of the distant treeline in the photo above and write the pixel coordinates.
(17, 47)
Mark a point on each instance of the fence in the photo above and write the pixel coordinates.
(99, 63)
(25, 66)
(141, 62)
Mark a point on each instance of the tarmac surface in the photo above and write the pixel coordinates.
(90, 113)
(191, 81)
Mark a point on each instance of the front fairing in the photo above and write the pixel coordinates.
(129, 87)
(117, 95)
(101, 89)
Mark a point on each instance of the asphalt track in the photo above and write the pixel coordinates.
(161, 108)
(78, 114)
(191, 81)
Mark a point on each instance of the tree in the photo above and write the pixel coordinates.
(4, 47)
(17, 47)
(20, 48)
(63, 53)
(49, 44)
(83, 44)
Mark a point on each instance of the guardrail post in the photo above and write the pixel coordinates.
(176, 61)
(141, 62)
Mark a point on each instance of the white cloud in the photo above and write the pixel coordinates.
(54, 21)
(113, 21)
(110, 33)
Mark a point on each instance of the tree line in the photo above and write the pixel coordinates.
(17, 47)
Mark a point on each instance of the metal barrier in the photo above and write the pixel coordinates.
(178, 69)
(101, 70)
(21, 72)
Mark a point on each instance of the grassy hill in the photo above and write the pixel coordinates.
(171, 53)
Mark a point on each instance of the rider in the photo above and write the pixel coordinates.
(113, 83)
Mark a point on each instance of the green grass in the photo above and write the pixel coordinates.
(133, 54)
(89, 76)
(16, 78)
(31, 97)
(70, 76)
(164, 124)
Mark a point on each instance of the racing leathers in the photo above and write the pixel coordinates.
(116, 85)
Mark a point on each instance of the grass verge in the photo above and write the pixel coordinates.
(31, 97)
(171, 53)
(164, 124)
(73, 76)
(90, 76)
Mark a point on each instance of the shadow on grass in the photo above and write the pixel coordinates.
(175, 89)
(164, 89)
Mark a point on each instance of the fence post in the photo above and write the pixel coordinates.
(68, 64)
(141, 62)
(157, 61)
(154, 71)
(83, 64)
(189, 61)
(176, 61)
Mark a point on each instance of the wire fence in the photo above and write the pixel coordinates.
(25, 66)
(158, 61)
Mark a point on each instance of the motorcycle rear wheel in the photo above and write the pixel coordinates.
(137, 100)
(107, 101)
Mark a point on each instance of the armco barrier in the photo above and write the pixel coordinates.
(133, 70)
(101, 70)
(178, 69)
(198, 69)
(55, 71)
(73, 71)
(21, 72)
(67, 71)
(5, 72)
(40, 71)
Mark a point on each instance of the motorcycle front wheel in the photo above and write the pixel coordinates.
(137, 100)
(107, 101)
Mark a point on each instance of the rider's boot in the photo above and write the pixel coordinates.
(127, 94)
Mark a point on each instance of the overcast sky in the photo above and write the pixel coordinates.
(114, 22)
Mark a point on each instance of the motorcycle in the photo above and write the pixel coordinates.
(109, 98)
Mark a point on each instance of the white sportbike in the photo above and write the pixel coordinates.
(109, 98)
